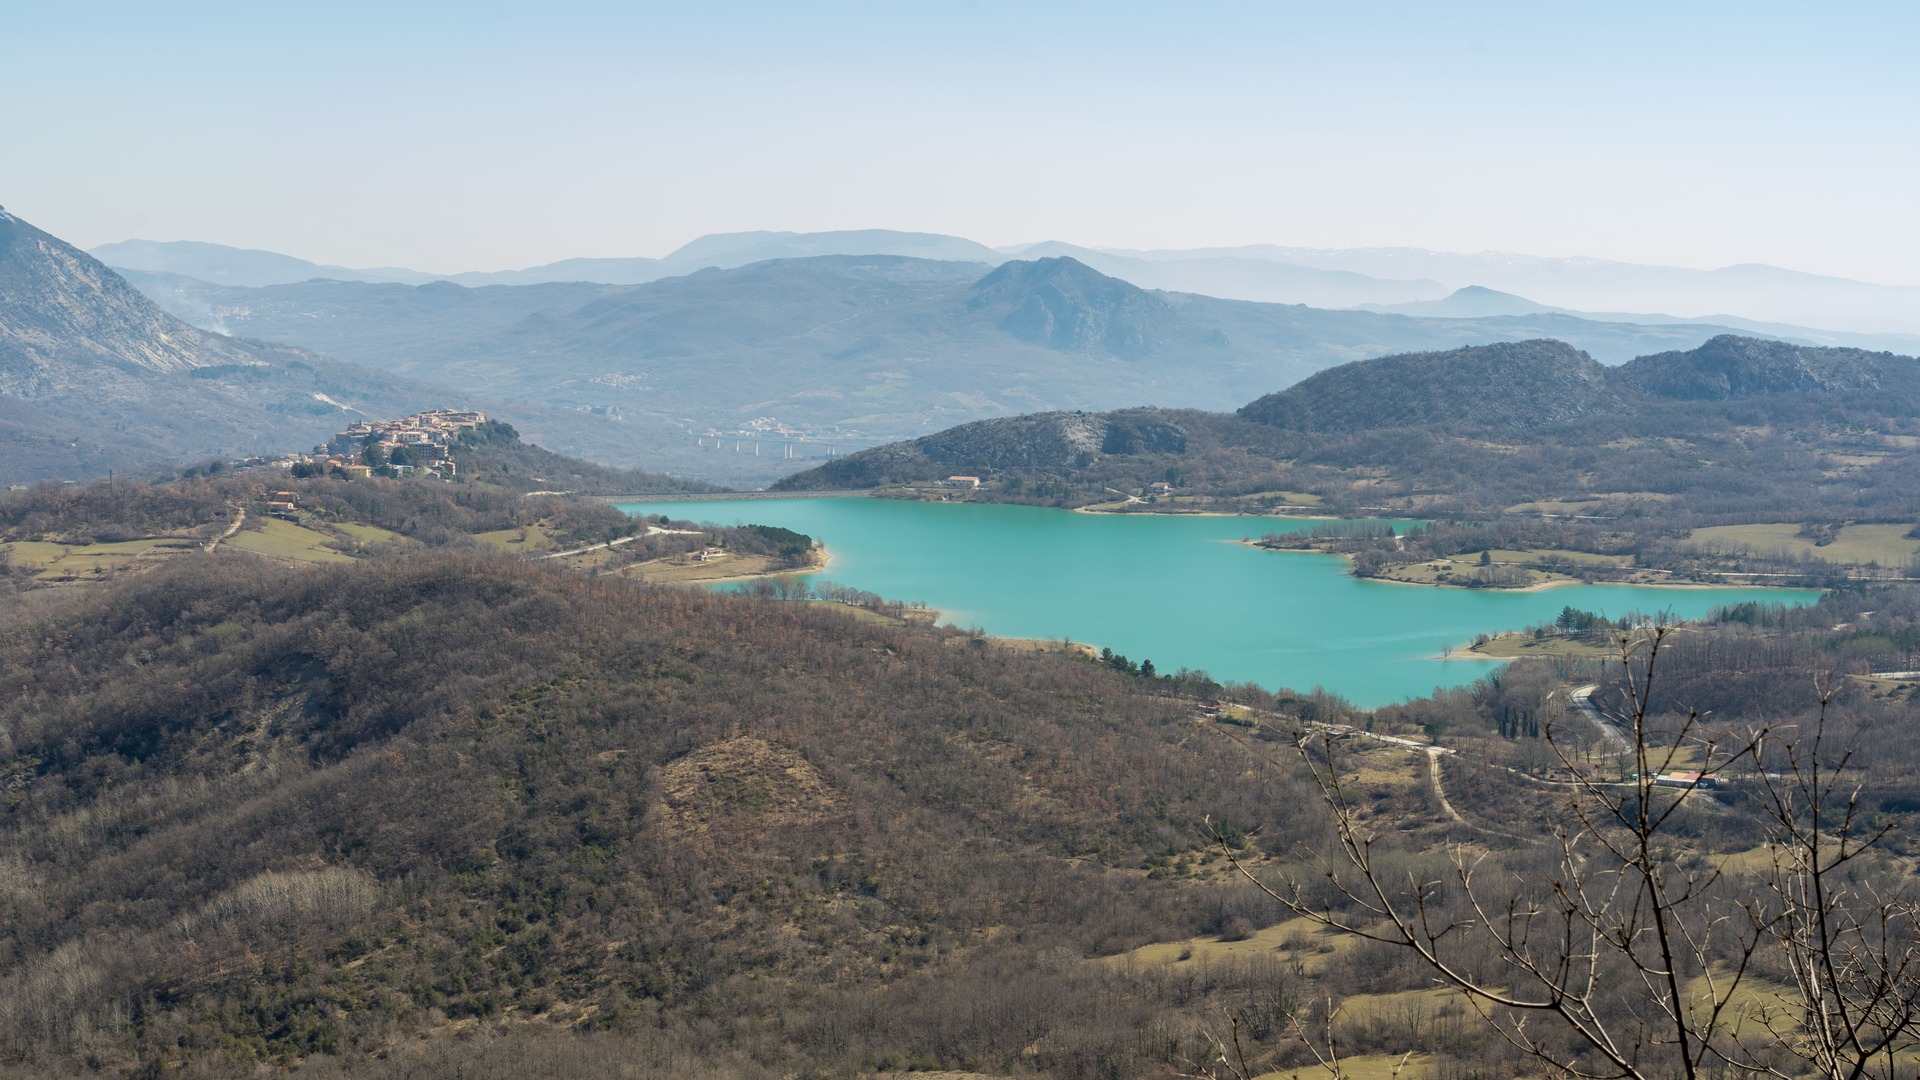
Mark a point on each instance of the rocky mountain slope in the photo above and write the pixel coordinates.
(95, 377)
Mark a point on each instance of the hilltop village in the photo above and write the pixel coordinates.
(418, 444)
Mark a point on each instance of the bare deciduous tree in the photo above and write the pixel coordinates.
(1625, 955)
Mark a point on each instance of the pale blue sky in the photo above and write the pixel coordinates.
(483, 136)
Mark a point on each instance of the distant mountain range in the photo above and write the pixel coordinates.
(844, 351)
(1761, 298)
(1750, 291)
(224, 265)
(95, 377)
(793, 355)
(1479, 302)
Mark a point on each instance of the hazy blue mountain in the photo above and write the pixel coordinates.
(1471, 302)
(1475, 301)
(1762, 299)
(1065, 305)
(616, 271)
(1751, 291)
(359, 318)
(738, 249)
(225, 265)
(95, 377)
(1233, 278)
(728, 250)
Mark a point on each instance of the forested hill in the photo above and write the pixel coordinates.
(1736, 430)
(1033, 451)
(494, 454)
(251, 816)
(1733, 368)
(1507, 388)
(1514, 388)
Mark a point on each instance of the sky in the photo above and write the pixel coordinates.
(477, 136)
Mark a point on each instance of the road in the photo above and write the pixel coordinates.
(239, 519)
(652, 530)
(1582, 698)
(589, 547)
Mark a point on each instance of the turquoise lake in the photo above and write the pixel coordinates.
(1179, 590)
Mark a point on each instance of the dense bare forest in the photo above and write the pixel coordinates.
(253, 817)
(441, 811)
(549, 822)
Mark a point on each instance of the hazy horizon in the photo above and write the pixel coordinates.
(480, 137)
(1006, 249)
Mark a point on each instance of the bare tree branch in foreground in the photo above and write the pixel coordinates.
(1624, 956)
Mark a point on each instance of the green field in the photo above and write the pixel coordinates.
(38, 554)
(367, 534)
(1508, 646)
(1297, 498)
(285, 540)
(1459, 573)
(80, 562)
(1855, 545)
(1578, 558)
(275, 538)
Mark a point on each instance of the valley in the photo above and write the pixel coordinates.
(963, 541)
(508, 806)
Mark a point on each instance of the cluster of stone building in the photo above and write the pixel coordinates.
(420, 442)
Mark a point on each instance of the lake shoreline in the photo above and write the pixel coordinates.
(1171, 588)
(1538, 586)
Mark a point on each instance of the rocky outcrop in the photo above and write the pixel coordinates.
(94, 377)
